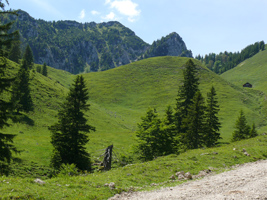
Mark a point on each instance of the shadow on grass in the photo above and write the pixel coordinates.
(22, 118)
(17, 160)
(222, 143)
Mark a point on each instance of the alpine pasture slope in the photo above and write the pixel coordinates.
(118, 98)
(252, 70)
(129, 90)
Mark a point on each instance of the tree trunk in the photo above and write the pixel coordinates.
(107, 158)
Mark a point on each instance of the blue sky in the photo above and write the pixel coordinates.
(205, 25)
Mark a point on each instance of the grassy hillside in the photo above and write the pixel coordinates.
(129, 90)
(254, 71)
(136, 177)
(118, 98)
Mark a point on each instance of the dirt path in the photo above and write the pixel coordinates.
(248, 181)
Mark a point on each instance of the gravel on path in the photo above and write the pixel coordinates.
(248, 181)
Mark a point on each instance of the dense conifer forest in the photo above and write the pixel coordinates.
(222, 62)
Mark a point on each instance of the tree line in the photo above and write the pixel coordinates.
(15, 92)
(222, 62)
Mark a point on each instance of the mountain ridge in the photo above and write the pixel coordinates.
(89, 47)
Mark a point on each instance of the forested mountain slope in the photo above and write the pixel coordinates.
(224, 61)
(84, 47)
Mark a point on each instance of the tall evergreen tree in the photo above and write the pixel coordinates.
(194, 122)
(21, 92)
(15, 52)
(213, 125)
(242, 129)
(186, 93)
(69, 133)
(6, 140)
(28, 57)
(44, 69)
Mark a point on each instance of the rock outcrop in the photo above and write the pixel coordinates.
(84, 47)
(171, 45)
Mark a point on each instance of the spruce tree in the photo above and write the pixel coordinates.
(242, 129)
(169, 116)
(186, 93)
(6, 140)
(148, 135)
(213, 125)
(44, 69)
(15, 52)
(28, 57)
(69, 134)
(21, 92)
(170, 141)
(194, 122)
(253, 131)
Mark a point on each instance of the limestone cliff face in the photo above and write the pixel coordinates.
(72, 59)
(171, 45)
(176, 46)
(78, 47)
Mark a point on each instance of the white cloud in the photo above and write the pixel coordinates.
(94, 12)
(82, 14)
(110, 16)
(125, 7)
(107, 2)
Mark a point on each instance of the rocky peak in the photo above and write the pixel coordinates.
(171, 45)
(176, 45)
(175, 36)
(24, 16)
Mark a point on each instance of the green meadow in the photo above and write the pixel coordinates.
(118, 98)
(135, 177)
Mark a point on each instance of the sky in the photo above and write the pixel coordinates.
(206, 26)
